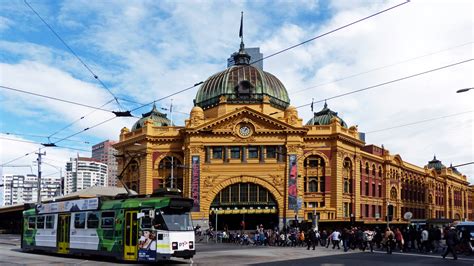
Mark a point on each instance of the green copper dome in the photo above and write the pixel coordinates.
(159, 119)
(324, 117)
(242, 83)
(436, 164)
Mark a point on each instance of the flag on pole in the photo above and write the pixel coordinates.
(241, 32)
(312, 105)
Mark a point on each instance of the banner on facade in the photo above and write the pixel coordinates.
(292, 184)
(195, 186)
(68, 206)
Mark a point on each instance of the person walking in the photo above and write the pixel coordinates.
(336, 238)
(399, 239)
(368, 240)
(451, 241)
(311, 238)
(324, 238)
(425, 243)
(329, 239)
(389, 240)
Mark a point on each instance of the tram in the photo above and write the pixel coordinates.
(130, 228)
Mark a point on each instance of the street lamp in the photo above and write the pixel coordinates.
(464, 90)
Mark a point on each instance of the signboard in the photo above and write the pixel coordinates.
(292, 184)
(68, 206)
(195, 182)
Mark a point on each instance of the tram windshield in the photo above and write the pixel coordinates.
(172, 221)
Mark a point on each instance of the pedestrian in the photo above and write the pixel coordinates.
(389, 240)
(324, 238)
(437, 239)
(329, 239)
(311, 238)
(318, 237)
(368, 239)
(336, 238)
(399, 239)
(345, 239)
(425, 243)
(451, 241)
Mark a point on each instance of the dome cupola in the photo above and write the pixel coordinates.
(324, 117)
(156, 117)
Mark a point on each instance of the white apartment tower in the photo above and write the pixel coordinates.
(83, 172)
(17, 189)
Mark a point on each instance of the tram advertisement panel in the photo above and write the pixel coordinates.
(147, 246)
(292, 185)
(68, 206)
(195, 186)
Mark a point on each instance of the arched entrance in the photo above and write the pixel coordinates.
(248, 202)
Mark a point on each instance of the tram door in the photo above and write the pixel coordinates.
(64, 222)
(131, 236)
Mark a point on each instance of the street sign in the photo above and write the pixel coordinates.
(377, 216)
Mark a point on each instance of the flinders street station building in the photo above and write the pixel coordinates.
(245, 155)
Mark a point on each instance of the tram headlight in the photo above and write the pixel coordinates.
(174, 245)
(191, 244)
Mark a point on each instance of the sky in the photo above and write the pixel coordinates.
(143, 50)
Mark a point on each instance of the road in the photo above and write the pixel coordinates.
(230, 254)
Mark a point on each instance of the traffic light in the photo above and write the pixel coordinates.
(390, 212)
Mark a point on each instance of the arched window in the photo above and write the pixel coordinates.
(380, 171)
(313, 185)
(347, 175)
(393, 193)
(315, 172)
(367, 168)
(170, 171)
(373, 171)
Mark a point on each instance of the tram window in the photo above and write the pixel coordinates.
(107, 220)
(92, 220)
(80, 220)
(50, 222)
(40, 222)
(145, 221)
(31, 222)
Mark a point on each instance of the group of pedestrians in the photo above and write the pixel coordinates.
(406, 239)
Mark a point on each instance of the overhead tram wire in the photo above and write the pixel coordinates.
(419, 122)
(76, 121)
(85, 129)
(42, 136)
(34, 142)
(382, 67)
(284, 50)
(382, 84)
(256, 61)
(75, 54)
(18, 158)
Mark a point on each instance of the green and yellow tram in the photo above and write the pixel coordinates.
(138, 228)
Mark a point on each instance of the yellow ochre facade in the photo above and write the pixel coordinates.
(245, 154)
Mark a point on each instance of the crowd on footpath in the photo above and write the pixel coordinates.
(430, 239)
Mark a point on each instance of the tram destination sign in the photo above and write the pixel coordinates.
(68, 206)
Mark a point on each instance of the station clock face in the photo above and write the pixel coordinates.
(244, 130)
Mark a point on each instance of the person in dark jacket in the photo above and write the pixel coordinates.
(451, 241)
(311, 238)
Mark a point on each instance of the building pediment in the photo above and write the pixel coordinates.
(256, 122)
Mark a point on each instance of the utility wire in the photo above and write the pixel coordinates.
(418, 122)
(77, 120)
(331, 31)
(18, 158)
(34, 142)
(386, 83)
(201, 82)
(56, 99)
(74, 53)
(41, 136)
(382, 67)
(85, 129)
(284, 50)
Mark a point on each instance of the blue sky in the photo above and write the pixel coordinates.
(144, 50)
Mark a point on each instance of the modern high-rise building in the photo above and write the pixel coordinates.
(83, 172)
(255, 55)
(104, 152)
(17, 189)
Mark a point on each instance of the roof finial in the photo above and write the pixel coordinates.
(325, 104)
(241, 31)
(434, 157)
